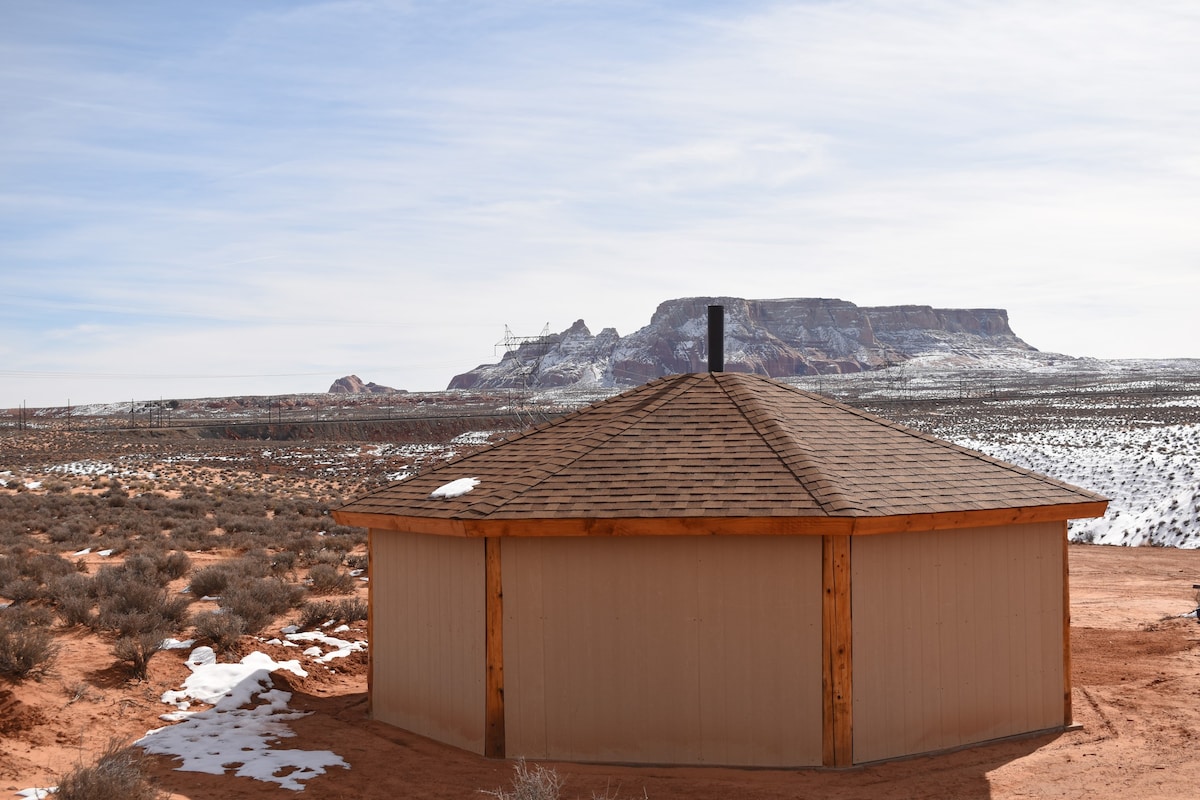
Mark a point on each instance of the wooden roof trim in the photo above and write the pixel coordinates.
(722, 526)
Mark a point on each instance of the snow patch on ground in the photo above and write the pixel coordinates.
(248, 715)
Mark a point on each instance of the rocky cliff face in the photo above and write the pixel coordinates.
(777, 338)
(352, 384)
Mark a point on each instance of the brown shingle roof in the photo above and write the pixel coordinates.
(717, 445)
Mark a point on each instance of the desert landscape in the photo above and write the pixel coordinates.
(227, 534)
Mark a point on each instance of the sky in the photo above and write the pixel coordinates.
(257, 198)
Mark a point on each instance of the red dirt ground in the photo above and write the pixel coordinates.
(1136, 672)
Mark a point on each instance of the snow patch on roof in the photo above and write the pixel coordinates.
(455, 488)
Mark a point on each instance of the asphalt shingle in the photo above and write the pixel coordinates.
(720, 445)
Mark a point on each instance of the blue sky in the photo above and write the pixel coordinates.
(224, 198)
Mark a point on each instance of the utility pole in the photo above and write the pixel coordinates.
(534, 346)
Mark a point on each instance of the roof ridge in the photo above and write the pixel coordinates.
(795, 455)
(612, 427)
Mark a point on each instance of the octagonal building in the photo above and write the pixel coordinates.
(718, 568)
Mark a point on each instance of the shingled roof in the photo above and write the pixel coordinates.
(719, 452)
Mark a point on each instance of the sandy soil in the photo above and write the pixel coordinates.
(1136, 670)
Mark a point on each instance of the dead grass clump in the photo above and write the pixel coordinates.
(117, 775)
(540, 783)
(529, 783)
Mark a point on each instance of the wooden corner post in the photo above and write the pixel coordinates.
(837, 736)
(493, 742)
(1068, 711)
(371, 623)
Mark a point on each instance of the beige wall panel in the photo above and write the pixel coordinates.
(664, 649)
(958, 637)
(429, 636)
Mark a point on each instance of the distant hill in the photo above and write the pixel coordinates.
(352, 384)
(778, 338)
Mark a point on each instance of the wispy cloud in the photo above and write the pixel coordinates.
(357, 185)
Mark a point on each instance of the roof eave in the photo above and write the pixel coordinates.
(722, 526)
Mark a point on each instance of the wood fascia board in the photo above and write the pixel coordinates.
(723, 526)
(985, 518)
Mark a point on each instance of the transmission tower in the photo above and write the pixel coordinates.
(527, 352)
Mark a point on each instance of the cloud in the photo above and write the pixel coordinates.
(351, 169)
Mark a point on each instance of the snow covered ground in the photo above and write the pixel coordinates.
(1129, 431)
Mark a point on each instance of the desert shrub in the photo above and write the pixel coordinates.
(138, 647)
(118, 774)
(196, 535)
(76, 610)
(352, 609)
(328, 579)
(211, 581)
(25, 650)
(189, 506)
(338, 544)
(37, 567)
(259, 600)
(243, 523)
(283, 562)
(358, 561)
(136, 524)
(29, 616)
(255, 563)
(324, 555)
(72, 597)
(73, 533)
(8, 570)
(143, 568)
(132, 607)
(221, 628)
(151, 501)
(175, 565)
(21, 590)
(316, 613)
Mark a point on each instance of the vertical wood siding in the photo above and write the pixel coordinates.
(428, 665)
(958, 637)
(703, 650)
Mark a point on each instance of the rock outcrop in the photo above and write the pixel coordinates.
(352, 384)
(777, 338)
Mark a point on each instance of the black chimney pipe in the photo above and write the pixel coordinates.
(716, 338)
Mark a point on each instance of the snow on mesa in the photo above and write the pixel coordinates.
(230, 736)
(455, 488)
